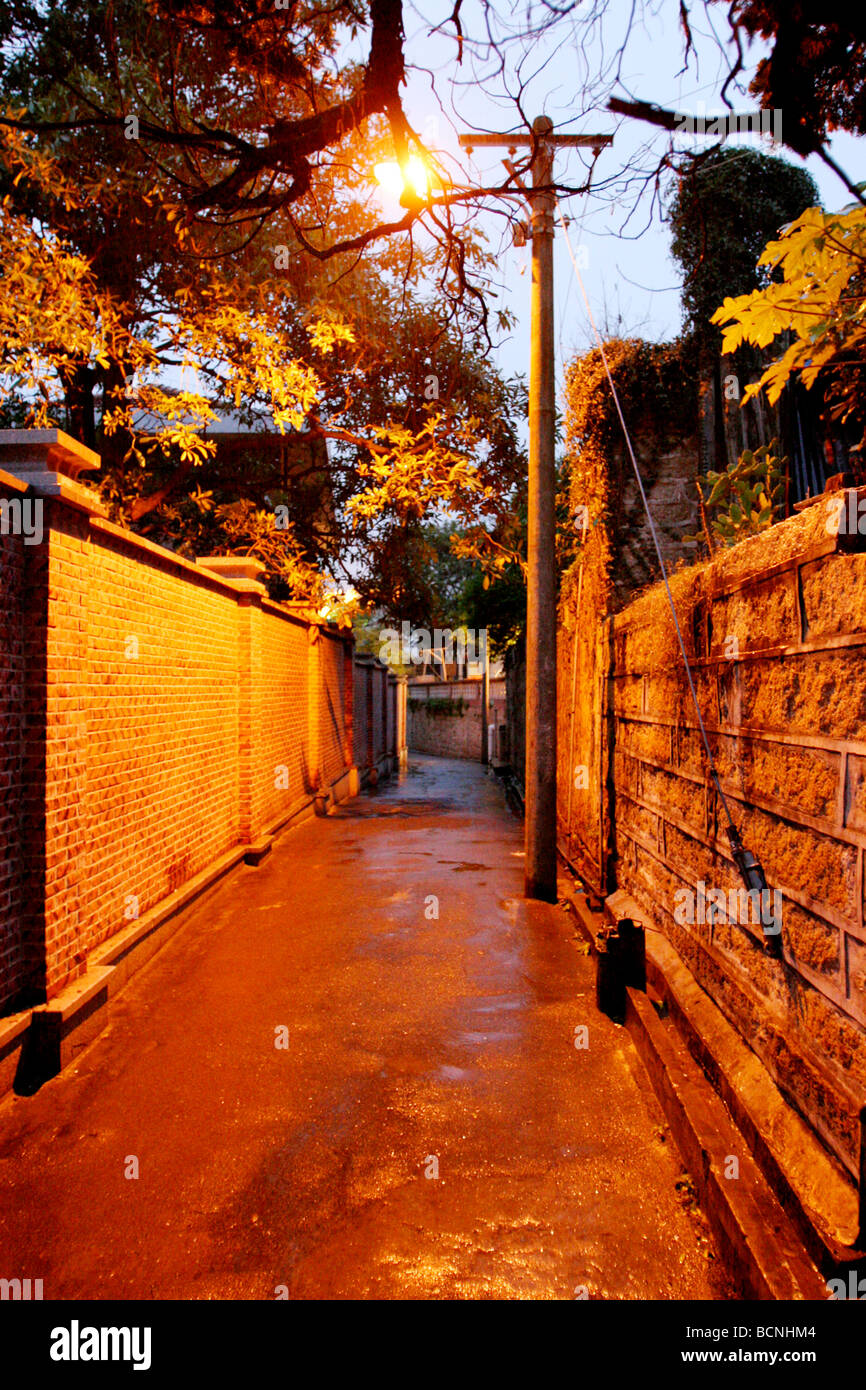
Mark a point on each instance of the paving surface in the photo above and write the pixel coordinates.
(417, 1044)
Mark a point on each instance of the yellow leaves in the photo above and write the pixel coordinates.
(325, 334)
(820, 300)
(412, 471)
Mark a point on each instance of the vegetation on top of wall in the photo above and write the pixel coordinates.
(657, 388)
(448, 709)
(744, 500)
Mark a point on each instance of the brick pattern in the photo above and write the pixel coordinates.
(332, 709)
(154, 716)
(360, 683)
(13, 771)
(452, 735)
(160, 731)
(283, 774)
(776, 630)
(378, 717)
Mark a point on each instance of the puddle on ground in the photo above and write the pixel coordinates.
(461, 867)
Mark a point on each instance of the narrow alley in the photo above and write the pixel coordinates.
(352, 1073)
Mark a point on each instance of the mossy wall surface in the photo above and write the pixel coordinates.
(775, 630)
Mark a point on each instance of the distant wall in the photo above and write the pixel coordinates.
(445, 717)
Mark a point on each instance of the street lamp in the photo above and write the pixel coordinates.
(411, 177)
(540, 860)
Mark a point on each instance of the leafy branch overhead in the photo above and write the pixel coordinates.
(349, 366)
(818, 305)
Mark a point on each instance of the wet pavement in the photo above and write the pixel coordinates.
(329, 1091)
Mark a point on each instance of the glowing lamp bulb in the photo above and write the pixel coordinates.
(413, 175)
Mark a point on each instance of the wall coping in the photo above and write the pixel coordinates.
(230, 587)
(37, 452)
(241, 570)
(796, 541)
(9, 483)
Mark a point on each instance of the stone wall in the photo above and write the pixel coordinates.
(669, 480)
(775, 629)
(158, 718)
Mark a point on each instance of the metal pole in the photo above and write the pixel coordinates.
(540, 862)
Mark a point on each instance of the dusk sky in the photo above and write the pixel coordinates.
(632, 282)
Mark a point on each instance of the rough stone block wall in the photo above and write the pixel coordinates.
(582, 666)
(776, 629)
(669, 479)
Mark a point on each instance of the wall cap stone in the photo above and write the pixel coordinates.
(241, 570)
(48, 462)
(27, 452)
(63, 489)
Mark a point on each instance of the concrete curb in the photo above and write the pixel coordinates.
(761, 1244)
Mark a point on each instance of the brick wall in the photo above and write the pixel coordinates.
(453, 732)
(775, 629)
(155, 715)
(336, 754)
(379, 719)
(13, 770)
(154, 651)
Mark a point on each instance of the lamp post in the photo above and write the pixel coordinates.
(540, 773)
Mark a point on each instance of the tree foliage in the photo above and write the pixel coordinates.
(152, 325)
(722, 213)
(815, 72)
(819, 305)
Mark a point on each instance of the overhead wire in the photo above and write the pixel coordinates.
(750, 869)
